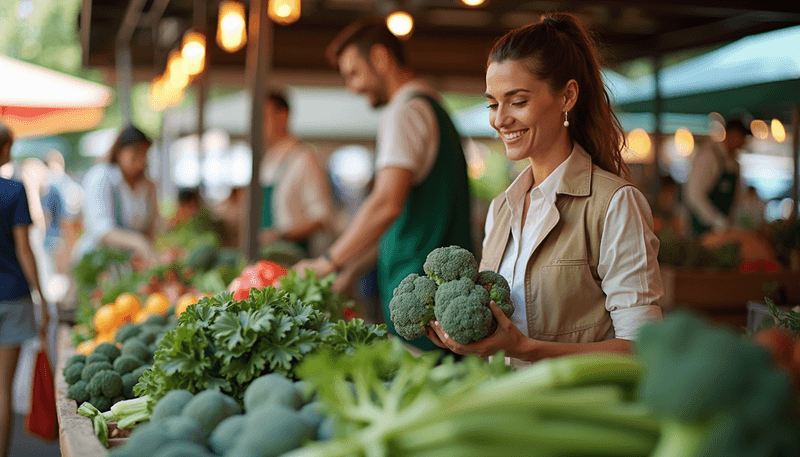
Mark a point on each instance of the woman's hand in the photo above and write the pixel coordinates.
(506, 338)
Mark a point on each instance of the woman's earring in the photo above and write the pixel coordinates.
(566, 121)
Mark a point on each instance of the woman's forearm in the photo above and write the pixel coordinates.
(532, 350)
(25, 256)
(129, 241)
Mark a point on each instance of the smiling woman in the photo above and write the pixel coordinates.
(571, 234)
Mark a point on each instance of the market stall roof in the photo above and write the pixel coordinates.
(751, 74)
(449, 38)
(37, 101)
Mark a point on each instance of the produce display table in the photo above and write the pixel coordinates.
(723, 295)
(76, 433)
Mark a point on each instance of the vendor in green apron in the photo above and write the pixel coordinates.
(297, 200)
(713, 183)
(420, 199)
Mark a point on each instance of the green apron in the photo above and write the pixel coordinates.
(721, 197)
(267, 220)
(436, 214)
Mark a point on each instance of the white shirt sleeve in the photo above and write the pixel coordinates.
(98, 194)
(628, 263)
(409, 139)
(703, 176)
(304, 193)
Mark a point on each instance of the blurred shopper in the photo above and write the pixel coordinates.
(420, 199)
(573, 237)
(231, 212)
(714, 181)
(297, 198)
(668, 212)
(120, 208)
(19, 278)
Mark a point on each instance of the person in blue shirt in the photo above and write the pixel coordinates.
(18, 280)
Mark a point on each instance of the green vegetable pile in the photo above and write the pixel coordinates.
(692, 390)
(454, 292)
(279, 416)
(316, 292)
(223, 344)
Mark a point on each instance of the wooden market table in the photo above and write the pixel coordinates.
(76, 433)
(723, 295)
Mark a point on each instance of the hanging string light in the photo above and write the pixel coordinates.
(194, 52)
(284, 12)
(400, 23)
(231, 31)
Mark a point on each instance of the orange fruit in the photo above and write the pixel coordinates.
(157, 303)
(141, 316)
(184, 302)
(105, 337)
(127, 306)
(105, 319)
(86, 347)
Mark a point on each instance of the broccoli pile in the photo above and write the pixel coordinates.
(453, 292)
(108, 374)
(279, 416)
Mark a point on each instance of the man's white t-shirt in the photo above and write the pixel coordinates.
(408, 134)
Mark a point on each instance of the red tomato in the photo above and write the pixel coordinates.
(241, 294)
(234, 285)
(269, 272)
(779, 344)
(250, 276)
(349, 314)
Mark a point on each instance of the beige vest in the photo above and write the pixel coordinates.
(563, 298)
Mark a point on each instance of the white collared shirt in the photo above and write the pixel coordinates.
(627, 264)
(408, 134)
(707, 167)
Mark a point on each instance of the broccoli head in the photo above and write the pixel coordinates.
(136, 348)
(72, 373)
(450, 263)
(411, 307)
(107, 383)
(76, 358)
(718, 394)
(499, 291)
(93, 368)
(126, 332)
(97, 357)
(110, 350)
(128, 381)
(102, 404)
(78, 391)
(171, 404)
(209, 408)
(462, 309)
(127, 363)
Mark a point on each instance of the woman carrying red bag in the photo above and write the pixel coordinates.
(18, 278)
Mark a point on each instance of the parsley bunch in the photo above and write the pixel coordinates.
(223, 344)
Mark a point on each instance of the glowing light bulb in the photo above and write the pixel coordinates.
(284, 11)
(473, 2)
(759, 129)
(400, 24)
(231, 33)
(194, 52)
(639, 143)
(778, 132)
(684, 142)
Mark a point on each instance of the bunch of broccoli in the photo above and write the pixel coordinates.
(279, 417)
(453, 292)
(108, 374)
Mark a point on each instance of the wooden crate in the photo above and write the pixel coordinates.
(76, 433)
(723, 295)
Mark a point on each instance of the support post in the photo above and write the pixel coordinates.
(656, 170)
(257, 67)
(796, 161)
(200, 25)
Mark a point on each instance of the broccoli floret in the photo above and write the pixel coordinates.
(271, 431)
(102, 404)
(148, 336)
(227, 434)
(128, 381)
(209, 408)
(126, 332)
(93, 368)
(97, 357)
(127, 363)
(718, 394)
(499, 291)
(72, 373)
(156, 319)
(110, 350)
(271, 388)
(78, 391)
(450, 263)
(107, 383)
(462, 309)
(77, 358)
(411, 307)
(171, 404)
(136, 348)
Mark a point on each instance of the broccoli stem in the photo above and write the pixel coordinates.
(681, 440)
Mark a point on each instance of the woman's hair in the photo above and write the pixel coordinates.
(6, 135)
(556, 49)
(129, 136)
